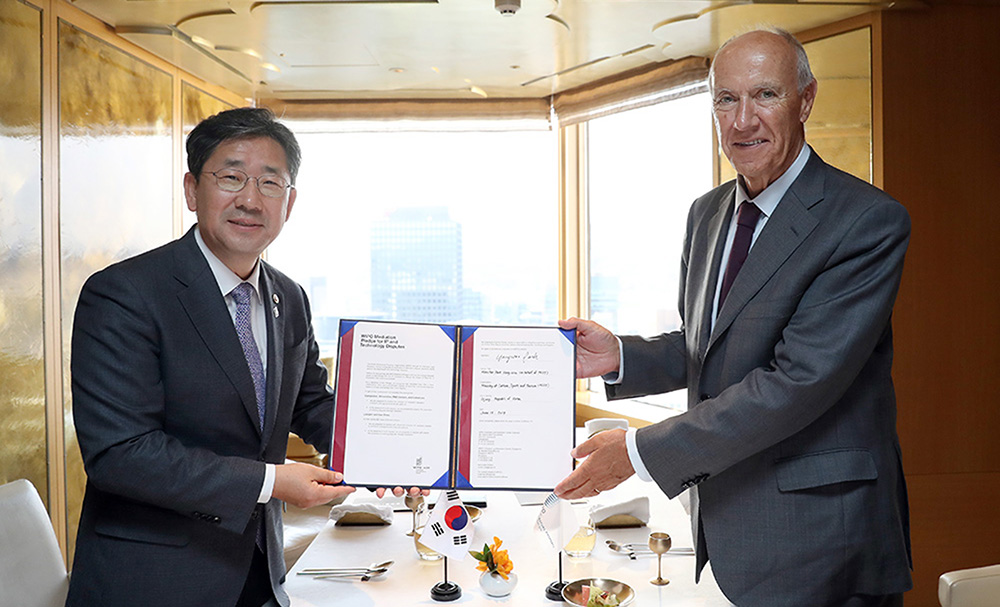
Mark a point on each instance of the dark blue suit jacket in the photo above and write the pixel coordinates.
(166, 417)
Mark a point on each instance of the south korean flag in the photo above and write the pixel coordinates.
(449, 528)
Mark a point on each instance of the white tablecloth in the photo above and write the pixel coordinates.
(409, 580)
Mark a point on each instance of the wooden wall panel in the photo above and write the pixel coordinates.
(940, 75)
(953, 520)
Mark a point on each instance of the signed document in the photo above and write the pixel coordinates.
(446, 406)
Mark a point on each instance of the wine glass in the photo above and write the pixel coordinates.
(414, 503)
(659, 543)
(425, 553)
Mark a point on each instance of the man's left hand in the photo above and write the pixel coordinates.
(605, 465)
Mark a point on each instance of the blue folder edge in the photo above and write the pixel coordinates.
(347, 325)
(449, 331)
(441, 483)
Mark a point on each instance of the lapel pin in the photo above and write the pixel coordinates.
(275, 309)
(274, 298)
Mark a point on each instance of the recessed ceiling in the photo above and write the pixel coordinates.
(444, 49)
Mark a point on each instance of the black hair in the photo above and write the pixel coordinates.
(240, 123)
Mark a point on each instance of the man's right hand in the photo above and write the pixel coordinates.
(305, 485)
(596, 348)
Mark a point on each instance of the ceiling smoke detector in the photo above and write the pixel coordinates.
(507, 7)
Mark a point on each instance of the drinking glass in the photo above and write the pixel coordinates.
(659, 543)
(425, 553)
(414, 503)
(582, 542)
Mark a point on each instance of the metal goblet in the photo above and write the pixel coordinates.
(659, 543)
(414, 503)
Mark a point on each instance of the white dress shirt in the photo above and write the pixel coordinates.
(227, 281)
(767, 201)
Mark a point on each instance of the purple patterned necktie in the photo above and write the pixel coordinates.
(746, 221)
(241, 295)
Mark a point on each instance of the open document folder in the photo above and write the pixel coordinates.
(447, 406)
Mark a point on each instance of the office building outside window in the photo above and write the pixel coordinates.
(440, 226)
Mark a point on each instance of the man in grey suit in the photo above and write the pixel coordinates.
(190, 365)
(789, 445)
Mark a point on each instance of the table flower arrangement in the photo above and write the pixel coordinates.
(497, 578)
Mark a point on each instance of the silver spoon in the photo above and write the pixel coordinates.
(634, 549)
(373, 567)
(626, 547)
(619, 548)
(643, 548)
(364, 576)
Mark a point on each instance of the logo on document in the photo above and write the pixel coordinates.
(419, 467)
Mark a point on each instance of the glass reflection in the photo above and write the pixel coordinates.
(115, 163)
(22, 363)
(196, 105)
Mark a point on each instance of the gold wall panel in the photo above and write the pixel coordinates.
(116, 177)
(197, 105)
(22, 363)
(840, 126)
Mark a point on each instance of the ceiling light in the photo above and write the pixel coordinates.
(202, 42)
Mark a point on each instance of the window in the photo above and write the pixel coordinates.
(443, 226)
(646, 167)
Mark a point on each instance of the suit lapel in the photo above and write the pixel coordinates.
(206, 308)
(273, 299)
(704, 298)
(784, 231)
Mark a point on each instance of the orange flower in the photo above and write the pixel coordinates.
(493, 559)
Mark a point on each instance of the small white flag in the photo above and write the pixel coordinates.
(449, 527)
(557, 522)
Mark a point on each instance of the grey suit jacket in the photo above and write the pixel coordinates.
(166, 417)
(789, 442)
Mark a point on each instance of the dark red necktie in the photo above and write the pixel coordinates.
(746, 221)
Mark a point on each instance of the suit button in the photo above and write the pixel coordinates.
(704, 396)
(216, 520)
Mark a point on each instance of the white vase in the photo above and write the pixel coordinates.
(494, 585)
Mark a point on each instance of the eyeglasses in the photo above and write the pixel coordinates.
(234, 180)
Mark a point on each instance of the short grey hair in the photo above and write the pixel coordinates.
(804, 73)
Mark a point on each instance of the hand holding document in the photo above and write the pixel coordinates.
(446, 406)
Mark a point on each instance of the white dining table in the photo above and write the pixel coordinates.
(409, 579)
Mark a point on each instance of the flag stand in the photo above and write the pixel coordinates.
(448, 591)
(553, 591)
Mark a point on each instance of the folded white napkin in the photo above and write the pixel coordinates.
(631, 513)
(361, 514)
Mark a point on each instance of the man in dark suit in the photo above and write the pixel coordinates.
(190, 365)
(789, 445)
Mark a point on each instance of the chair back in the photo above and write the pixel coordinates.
(977, 587)
(32, 570)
